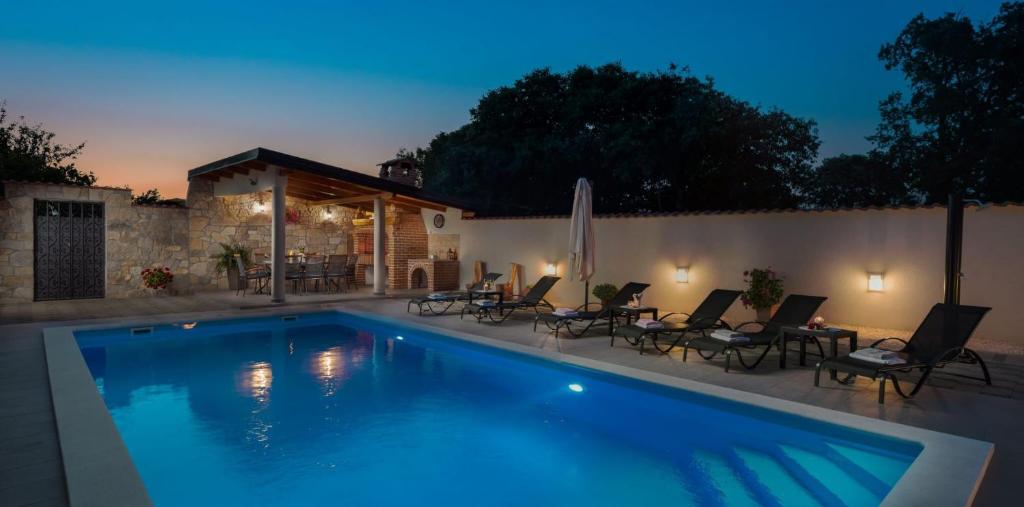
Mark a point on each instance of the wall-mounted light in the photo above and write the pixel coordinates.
(682, 275)
(876, 282)
(258, 206)
(550, 269)
(328, 213)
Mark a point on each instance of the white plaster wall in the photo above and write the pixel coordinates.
(819, 253)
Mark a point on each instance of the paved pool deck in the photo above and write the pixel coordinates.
(31, 471)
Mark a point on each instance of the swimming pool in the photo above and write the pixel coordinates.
(337, 408)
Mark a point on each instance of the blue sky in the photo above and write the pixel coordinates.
(157, 88)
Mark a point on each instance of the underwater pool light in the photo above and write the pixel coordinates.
(576, 388)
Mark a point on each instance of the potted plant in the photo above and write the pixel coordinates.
(157, 278)
(764, 290)
(226, 262)
(605, 292)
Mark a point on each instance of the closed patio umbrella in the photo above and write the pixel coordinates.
(581, 237)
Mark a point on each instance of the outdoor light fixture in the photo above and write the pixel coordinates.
(576, 388)
(682, 275)
(399, 337)
(259, 206)
(550, 269)
(876, 283)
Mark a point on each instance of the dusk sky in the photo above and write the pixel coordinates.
(157, 88)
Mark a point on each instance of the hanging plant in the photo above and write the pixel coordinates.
(157, 278)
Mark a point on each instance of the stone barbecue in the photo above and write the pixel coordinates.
(433, 274)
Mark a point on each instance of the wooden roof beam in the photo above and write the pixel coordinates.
(359, 198)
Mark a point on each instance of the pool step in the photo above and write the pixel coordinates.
(732, 483)
(783, 487)
(839, 477)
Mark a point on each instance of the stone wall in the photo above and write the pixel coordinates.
(243, 220)
(137, 237)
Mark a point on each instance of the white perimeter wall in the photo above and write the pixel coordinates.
(819, 253)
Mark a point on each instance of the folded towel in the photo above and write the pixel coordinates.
(487, 302)
(565, 312)
(437, 295)
(648, 324)
(729, 336)
(879, 356)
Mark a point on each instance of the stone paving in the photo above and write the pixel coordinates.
(948, 404)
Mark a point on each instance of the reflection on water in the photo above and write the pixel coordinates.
(329, 366)
(256, 379)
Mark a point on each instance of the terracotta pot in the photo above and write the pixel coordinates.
(765, 314)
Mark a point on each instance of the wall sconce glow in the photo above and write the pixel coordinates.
(259, 206)
(189, 325)
(682, 275)
(551, 269)
(576, 388)
(876, 283)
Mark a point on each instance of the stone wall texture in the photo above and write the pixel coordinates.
(137, 237)
(242, 220)
(185, 239)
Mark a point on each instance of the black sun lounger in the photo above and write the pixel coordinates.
(940, 340)
(707, 316)
(796, 310)
(533, 300)
(440, 305)
(589, 318)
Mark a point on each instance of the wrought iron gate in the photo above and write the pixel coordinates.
(69, 250)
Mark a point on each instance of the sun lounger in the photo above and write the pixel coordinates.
(707, 316)
(439, 303)
(940, 340)
(796, 310)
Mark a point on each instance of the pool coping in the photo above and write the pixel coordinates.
(99, 470)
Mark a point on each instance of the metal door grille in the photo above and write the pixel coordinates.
(69, 250)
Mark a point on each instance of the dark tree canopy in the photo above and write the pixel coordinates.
(961, 129)
(151, 196)
(663, 141)
(28, 153)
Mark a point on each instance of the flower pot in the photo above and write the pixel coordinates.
(765, 314)
(232, 277)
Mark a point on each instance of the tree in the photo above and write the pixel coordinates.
(28, 153)
(151, 196)
(662, 141)
(856, 180)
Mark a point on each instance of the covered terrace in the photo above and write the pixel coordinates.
(263, 170)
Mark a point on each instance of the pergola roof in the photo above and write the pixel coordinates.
(322, 183)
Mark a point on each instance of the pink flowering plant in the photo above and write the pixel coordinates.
(157, 278)
(764, 288)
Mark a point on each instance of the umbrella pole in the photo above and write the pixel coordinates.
(586, 294)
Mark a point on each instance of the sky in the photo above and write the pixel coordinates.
(157, 88)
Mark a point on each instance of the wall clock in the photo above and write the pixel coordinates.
(439, 220)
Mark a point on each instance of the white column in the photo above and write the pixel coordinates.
(378, 247)
(277, 239)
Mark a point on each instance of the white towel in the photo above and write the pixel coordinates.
(729, 336)
(879, 356)
(437, 295)
(486, 302)
(565, 312)
(648, 324)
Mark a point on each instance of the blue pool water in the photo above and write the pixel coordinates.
(334, 409)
